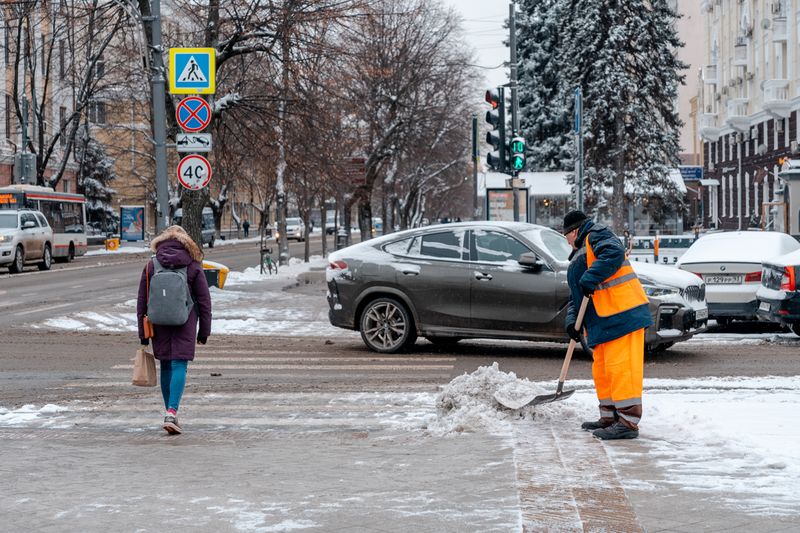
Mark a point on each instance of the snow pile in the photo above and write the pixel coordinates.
(467, 403)
(287, 272)
(26, 414)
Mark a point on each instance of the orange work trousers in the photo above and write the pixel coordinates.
(618, 372)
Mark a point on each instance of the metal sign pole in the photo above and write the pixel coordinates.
(157, 82)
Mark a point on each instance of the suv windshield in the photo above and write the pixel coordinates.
(8, 220)
(293, 222)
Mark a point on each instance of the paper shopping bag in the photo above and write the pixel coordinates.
(144, 369)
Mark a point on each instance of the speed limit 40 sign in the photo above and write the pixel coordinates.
(194, 172)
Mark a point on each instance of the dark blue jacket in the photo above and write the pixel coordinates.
(609, 255)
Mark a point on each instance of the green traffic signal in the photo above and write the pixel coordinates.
(517, 146)
(518, 161)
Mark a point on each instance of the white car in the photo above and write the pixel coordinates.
(294, 229)
(25, 237)
(730, 265)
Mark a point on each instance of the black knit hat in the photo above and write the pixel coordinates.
(573, 220)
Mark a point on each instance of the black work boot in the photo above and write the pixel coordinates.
(597, 424)
(617, 430)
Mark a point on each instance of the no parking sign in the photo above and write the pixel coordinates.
(194, 172)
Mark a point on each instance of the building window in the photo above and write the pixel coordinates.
(62, 124)
(8, 116)
(44, 55)
(62, 59)
(6, 42)
(97, 112)
(99, 68)
(724, 196)
(66, 186)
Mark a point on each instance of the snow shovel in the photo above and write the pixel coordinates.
(560, 393)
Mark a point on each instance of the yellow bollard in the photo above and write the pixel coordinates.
(216, 273)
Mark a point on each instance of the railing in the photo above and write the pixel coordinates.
(710, 75)
(775, 90)
(708, 120)
(740, 55)
(737, 107)
(779, 29)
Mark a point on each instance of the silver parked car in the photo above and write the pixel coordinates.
(25, 237)
(730, 265)
(502, 280)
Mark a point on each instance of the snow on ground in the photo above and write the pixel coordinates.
(733, 439)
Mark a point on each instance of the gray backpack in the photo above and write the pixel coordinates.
(169, 301)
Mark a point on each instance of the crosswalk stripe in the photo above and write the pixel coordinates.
(367, 359)
(197, 366)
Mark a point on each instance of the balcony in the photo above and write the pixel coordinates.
(708, 127)
(780, 32)
(737, 114)
(740, 54)
(710, 75)
(776, 98)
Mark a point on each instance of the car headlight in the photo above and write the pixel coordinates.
(660, 290)
(5, 238)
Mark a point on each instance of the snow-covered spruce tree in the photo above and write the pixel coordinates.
(96, 173)
(622, 53)
(545, 116)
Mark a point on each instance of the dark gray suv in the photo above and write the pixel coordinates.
(502, 280)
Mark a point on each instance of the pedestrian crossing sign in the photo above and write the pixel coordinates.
(192, 70)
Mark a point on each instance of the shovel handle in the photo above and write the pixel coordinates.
(572, 343)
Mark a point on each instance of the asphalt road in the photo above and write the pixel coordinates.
(34, 296)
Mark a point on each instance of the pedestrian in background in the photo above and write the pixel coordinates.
(174, 346)
(615, 322)
(246, 226)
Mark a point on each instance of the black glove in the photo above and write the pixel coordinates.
(144, 342)
(587, 291)
(202, 340)
(573, 333)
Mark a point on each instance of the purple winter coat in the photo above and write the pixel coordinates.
(178, 342)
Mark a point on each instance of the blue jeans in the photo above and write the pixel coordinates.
(173, 379)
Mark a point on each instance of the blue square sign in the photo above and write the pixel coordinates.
(192, 70)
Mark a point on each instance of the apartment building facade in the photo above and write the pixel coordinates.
(40, 67)
(748, 111)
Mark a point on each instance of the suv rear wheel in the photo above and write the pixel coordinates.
(47, 258)
(19, 261)
(795, 327)
(386, 326)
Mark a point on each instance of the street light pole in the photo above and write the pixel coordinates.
(512, 41)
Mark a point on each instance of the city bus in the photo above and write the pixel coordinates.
(65, 212)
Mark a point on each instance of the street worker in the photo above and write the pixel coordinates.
(615, 322)
(174, 345)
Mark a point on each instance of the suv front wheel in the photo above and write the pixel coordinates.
(386, 326)
(47, 259)
(19, 261)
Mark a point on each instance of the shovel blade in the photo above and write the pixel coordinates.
(548, 398)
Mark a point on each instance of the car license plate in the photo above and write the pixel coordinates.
(764, 307)
(701, 314)
(722, 279)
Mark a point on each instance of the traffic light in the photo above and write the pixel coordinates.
(517, 155)
(496, 159)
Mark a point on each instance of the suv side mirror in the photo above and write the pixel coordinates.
(529, 260)
(28, 224)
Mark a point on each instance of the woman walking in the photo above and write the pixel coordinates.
(174, 346)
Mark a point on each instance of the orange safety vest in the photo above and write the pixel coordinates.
(621, 292)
